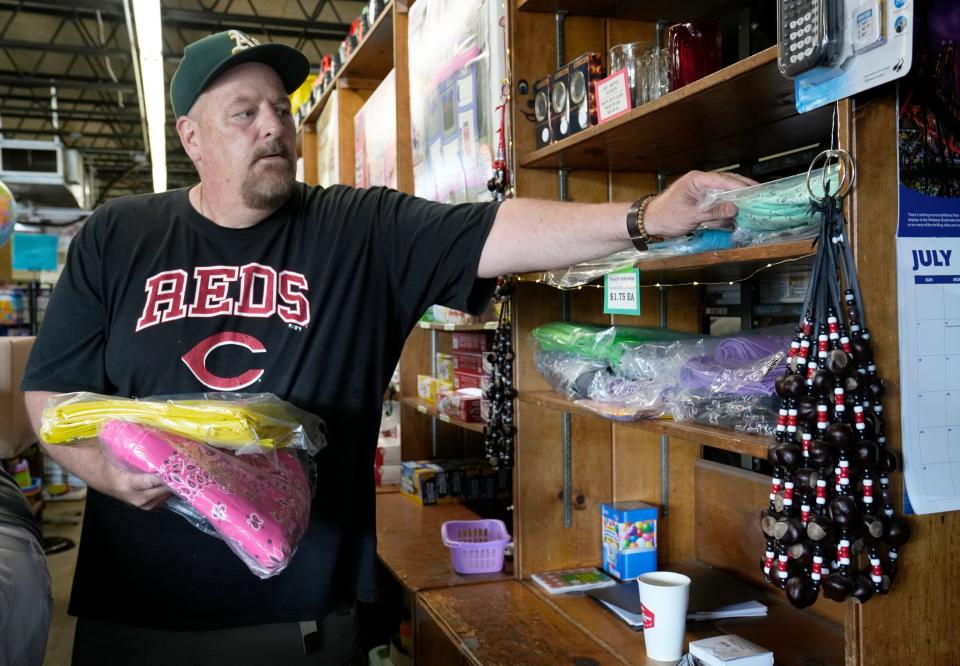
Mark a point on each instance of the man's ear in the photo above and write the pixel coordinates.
(189, 132)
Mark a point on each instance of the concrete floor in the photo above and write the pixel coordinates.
(61, 519)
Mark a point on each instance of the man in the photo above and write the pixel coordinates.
(251, 281)
(25, 599)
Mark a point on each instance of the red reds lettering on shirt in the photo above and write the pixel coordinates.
(210, 296)
(296, 307)
(262, 293)
(165, 294)
(267, 305)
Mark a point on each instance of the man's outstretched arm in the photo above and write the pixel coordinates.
(531, 235)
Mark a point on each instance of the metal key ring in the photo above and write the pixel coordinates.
(847, 165)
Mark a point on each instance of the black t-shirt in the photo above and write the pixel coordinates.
(312, 304)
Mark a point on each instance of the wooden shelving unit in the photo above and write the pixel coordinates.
(734, 116)
(431, 410)
(719, 438)
(409, 543)
(640, 10)
(732, 264)
(742, 112)
(371, 61)
(434, 326)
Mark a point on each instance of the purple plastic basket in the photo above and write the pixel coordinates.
(476, 546)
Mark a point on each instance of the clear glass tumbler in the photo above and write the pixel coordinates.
(638, 58)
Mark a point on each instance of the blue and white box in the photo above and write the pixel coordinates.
(629, 534)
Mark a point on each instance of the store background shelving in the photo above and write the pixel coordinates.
(729, 118)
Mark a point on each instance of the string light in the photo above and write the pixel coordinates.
(661, 285)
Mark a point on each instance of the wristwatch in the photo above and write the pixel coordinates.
(635, 224)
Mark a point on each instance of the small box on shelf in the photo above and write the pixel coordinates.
(471, 342)
(629, 534)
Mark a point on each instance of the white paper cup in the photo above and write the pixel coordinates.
(663, 600)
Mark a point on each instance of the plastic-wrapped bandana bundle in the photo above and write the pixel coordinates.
(778, 210)
(733, 386)
(239, 466)
(628, 373)
(586, 363)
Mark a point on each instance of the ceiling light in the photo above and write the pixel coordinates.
(146, 14)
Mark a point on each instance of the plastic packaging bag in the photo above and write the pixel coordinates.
(702, 240)
(778, 209)
(246, 422)
(733, 385)
(258, 504)
(599, 343)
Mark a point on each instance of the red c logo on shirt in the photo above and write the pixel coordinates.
(196, 360)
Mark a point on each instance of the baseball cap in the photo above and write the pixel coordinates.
(206, 59)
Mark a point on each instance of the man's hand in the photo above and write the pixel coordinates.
(144, 491)
(677, 211)
(86, 460)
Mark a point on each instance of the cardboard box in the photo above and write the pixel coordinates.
(463, 404)
(15, 430)
(471, 342)
(388, 451)
(730, 650)
(428, 387)
(387, 475)
(629, 538)
(468, 362)
(418, 482)
(445, 367)
(465, 380)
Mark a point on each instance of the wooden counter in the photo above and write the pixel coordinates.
(409, 543)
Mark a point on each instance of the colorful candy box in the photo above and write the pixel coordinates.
(629, 534)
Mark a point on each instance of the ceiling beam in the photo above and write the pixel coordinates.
(187, 18)
(44, 101)
(16, 81)
(71, 135)
(23, 45)
(182, 16)
(92, 115)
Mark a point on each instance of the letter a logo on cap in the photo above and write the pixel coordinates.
(242, 41)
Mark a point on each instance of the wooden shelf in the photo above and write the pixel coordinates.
(506, 623)
(731, 264)
(371, 61)
(739, 113)
(433, 326)
(409, 543)
(815, 639)
(385, 490)
(728, 440)
(431, 410)
(642, 10)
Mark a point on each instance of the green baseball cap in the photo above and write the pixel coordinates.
(206, 59)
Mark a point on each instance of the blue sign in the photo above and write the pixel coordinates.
(35, 252)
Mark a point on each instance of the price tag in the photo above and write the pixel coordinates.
(422, 409)
(613, 96)
(444, 418)
(449, 327)
(621, 292)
